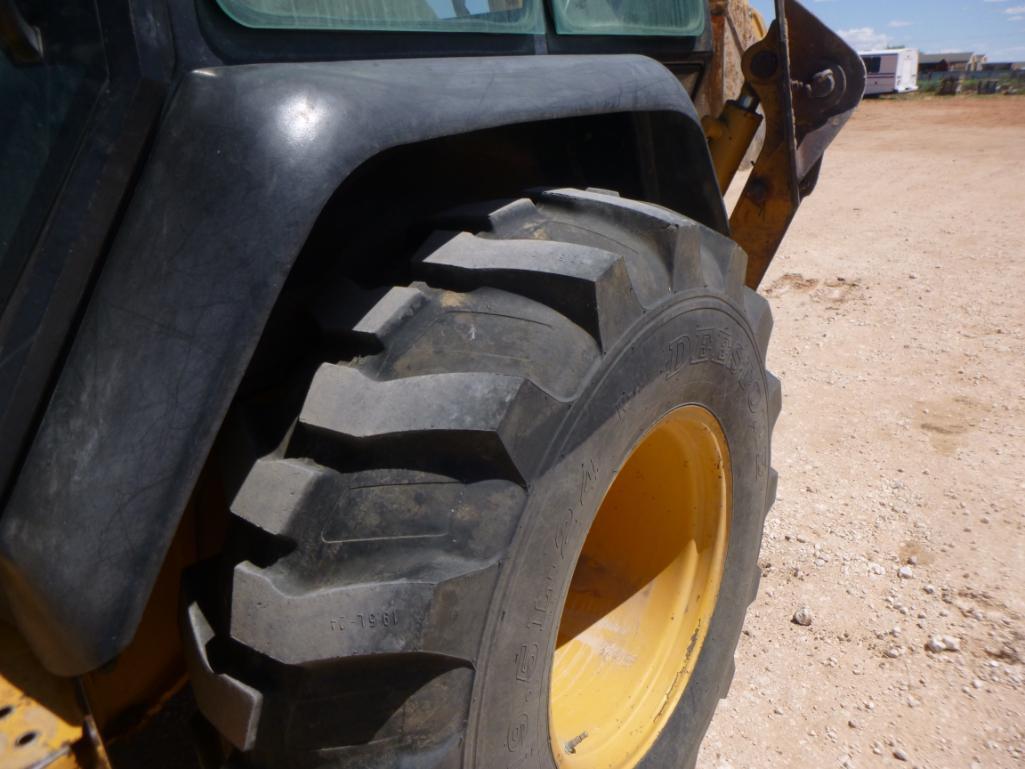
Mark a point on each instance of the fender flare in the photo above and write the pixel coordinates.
(245, 160)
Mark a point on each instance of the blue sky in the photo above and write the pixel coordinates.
(993, 27)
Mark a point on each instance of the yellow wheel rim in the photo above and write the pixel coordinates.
(642, 595)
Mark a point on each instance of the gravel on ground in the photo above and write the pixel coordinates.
(899, 300)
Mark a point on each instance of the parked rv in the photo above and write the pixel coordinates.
(891, 71)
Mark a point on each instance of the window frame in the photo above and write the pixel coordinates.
(556, 17)
(548, 20)
(535, 26)
(233, 43)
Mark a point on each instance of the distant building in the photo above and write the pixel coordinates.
(1004, 69)
(950, 62)
(893, 70)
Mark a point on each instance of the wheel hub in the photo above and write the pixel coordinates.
(642, 595)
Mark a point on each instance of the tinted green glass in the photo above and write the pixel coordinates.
(684, 18)
(488, 16)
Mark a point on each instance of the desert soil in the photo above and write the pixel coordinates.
(899, 301)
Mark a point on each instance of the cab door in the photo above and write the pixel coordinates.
(81, 86)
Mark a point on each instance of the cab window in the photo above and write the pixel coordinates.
(501, 16)
(629, 17)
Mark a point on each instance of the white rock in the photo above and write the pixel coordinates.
(905, 572)
(945, 643)
(802, 617)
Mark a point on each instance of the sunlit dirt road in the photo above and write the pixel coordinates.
(899, 300)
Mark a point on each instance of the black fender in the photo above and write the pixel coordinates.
(245, 159)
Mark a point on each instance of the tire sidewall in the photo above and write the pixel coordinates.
(693, 350)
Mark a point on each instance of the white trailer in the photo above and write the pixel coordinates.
(891, 71)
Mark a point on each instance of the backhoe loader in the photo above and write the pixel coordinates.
(382, 382)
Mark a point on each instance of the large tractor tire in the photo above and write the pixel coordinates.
(520, 527)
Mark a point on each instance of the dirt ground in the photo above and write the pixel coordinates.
(899, 301)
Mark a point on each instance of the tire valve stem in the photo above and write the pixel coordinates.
(571, 746)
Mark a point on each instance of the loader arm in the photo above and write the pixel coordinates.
(808, 83)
